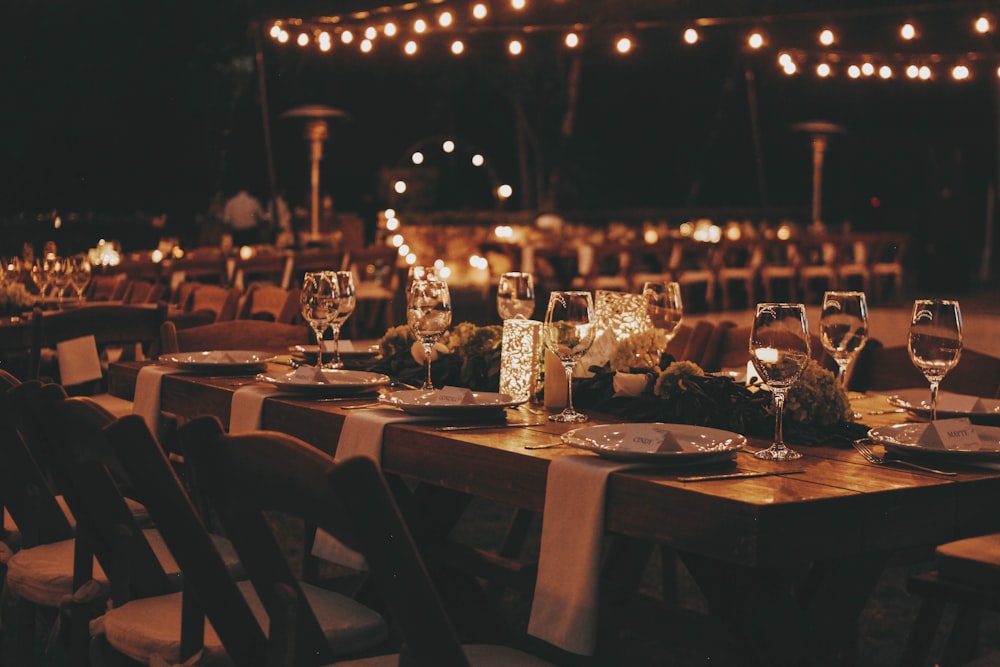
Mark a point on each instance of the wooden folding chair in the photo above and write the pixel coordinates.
(222, 302)
(270, 303)
(353, 504)
(234, 335)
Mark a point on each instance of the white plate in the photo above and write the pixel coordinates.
(420, 402)
(361, 348)
(329, 380)
(918, 402)
(219, 360)
(645, 442)
(905, 439)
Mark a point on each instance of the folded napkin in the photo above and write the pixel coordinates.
(247, 406)
(564, 608)
(78, 361)
(146, 401)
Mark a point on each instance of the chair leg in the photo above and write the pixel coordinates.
(918, 645)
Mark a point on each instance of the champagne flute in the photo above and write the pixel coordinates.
(568, 333)
(318, 305)
(843, 328)
(935, 341)
(664, 307)
(516, 295)
(345, 306)
(779, 350)
(428, 314)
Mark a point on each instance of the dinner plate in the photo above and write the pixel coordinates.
(671, 444)
(905, 439)
(918, 402)
(360, 349)
(434, 403)
(219, 360)
(309, 379)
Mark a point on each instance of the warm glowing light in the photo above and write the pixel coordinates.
(515, 47)
(766, 355)
(371, 32)
(324, 41)
(504, 232)
(448, 146)
(733, 232)
(390, 29)
(686, 229)
(458, 47)
(784, 233)
(478, 160)
(302, 39)
(420, 26)
(505, 191)
(912, 71)
(410, 48)
(157, 256)
(691, 36)
(417, 157)
(908, 31)
(396, 240)
(755, 40)
(982, 24)
(479, 11)
(518, 4)
(960, 72)
(650, 236)
(445, 19)
(404, 250)
(790, 67)
(283, 37)
(275, 30)
(623, 45)
(885, 72)
(854, 71)
(826, 37)
(392, 224)
(478, 262)
(347, 37)
(399, 187)
(246, 252)
(784, 58)
(443, 271)
(867, 69)
(366, 46)
(823, 70)
(411, 259)
(925, 72)
(390, 213)
(572, 40)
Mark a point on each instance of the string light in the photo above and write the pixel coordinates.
(623, 45)
(390, 29)
(458, 47)
(908, 31)
(755, 40)
(303, 39)
(371, 32)
(518, 4)
(826, 37)
(410, 48)
(983, 24)
(480, 11)
(445, 19)
(823, 70)
(515, 47)
(417, 157)
(366, 45)
(346, 36)
(420, 26)
(691, 36)
(960, 72)
(448, 146)
(572, 40)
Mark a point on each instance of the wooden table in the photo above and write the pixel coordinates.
(788, 561)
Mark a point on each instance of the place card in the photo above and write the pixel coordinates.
(649, 438)
(959, 403)
(453, 396)
(345, 346)
(308, 374)
(950, 434)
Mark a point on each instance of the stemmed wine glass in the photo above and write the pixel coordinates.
(318, 301)
(41, 272)
(935, 341)
(345, 306)
(79, 274)
(568, 333)
(843, 328)
(779, 350)
(428, 314)
(664, 307)
(59, 277)
(516, 295)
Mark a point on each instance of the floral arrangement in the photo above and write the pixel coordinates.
(466, 356)
(14, 297)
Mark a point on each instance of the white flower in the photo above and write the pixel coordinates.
(630, 384)
(438, 349)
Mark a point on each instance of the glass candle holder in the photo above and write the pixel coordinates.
(520, 351)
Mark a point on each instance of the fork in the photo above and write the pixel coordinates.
(862, 448)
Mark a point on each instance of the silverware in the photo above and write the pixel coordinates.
(862, 448)
(737, 475)
(474, 427)
(364, 406)
(547, 445)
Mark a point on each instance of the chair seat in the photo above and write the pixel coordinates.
(974, 561)
(149, 627)
(479, 655)
(119, 407)
(44, 574)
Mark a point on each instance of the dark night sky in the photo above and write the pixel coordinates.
(114, 107)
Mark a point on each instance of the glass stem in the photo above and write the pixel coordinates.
(842, 372)
(934, 394)
(319, 346)
(427, 357)
(569, 387)
(336, 343)
(779, 410)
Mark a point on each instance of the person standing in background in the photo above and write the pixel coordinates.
(243, 216)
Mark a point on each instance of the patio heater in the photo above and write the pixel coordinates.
(316, 133)
(820, 131)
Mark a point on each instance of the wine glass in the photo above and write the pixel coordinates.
(935, 341)
(79, 275)
(516, 295)
(664, 307)
(59, 276)
(568, 333)
(779, 350)
(428, 314)
(40, 275)
(843, 328)
(318, 305)
(345, 306)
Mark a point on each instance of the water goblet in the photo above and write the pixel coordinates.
(843, 328)
(345, 306)
(568, 332)
(516, 295)
(664, 307)
(935, 341)
(779, 350)
(428, 314)
(318, 304)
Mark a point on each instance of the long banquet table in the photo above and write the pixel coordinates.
(787, 561)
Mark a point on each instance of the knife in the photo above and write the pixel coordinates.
(472, 427)
(737, 475)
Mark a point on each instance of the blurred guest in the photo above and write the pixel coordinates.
(282, 214)
(243, 216)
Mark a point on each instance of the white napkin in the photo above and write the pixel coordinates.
(247, 406)
(78, 361)
(564, 609)
(146, 400)
(361, 435)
